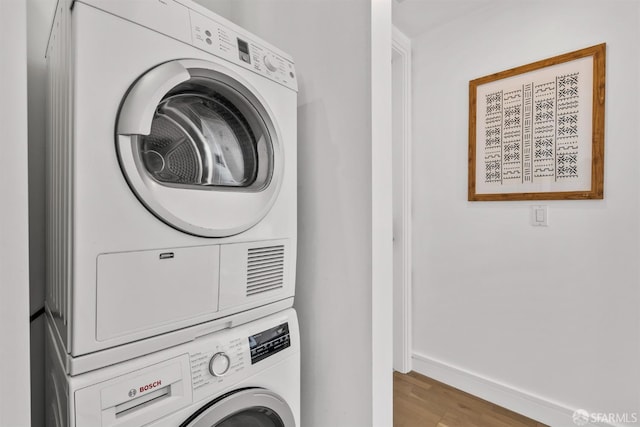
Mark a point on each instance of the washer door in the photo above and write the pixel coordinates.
(199, 147)
(253, 407)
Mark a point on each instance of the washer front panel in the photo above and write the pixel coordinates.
(249, 407)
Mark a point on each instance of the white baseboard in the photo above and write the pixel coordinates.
(521, 402)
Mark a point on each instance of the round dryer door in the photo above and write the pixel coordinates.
(253, 407)
(200, 149)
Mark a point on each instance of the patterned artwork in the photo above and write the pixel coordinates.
(534, 130)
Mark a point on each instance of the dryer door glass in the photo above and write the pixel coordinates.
(206, 134)
(200, 146)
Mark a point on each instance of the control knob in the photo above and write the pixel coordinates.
(269, 62)
(219, 364)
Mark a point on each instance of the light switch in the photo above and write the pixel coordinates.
(539, 216)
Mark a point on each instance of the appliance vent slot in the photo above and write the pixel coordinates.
(59, 166)
(265, 269)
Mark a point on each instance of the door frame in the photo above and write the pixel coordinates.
(401, 45)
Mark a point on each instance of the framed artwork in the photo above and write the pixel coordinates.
(536, 132)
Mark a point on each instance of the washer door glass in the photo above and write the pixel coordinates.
(252, 407)
(253, 417)
(200, 148)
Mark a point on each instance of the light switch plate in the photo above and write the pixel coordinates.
(539, 216)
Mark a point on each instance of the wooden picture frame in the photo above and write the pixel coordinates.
(536, 132)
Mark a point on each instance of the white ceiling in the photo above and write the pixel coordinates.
(415, 17)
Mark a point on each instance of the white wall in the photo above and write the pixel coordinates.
(330, 42)
(550, 313)
(14, 267)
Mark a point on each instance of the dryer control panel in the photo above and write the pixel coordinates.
(240, 49)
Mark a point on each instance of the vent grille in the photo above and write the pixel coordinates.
(59, 158)
(265, 269)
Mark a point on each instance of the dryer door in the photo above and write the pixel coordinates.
(253, 407)
(200, 148)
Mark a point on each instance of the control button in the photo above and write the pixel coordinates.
(245, 57)
(208, 40)
(219, 364)
(208, 33)
(268, 61)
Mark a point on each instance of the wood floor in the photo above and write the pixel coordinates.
(419, 401)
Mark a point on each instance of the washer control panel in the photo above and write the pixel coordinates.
(215, 38)
(230, 357)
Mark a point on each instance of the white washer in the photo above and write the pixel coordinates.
(244, 376)
(172, 177)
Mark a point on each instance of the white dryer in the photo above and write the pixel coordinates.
(244, 376)
(171, 177)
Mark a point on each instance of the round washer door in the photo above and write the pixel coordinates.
(200, 148)
(253, 407)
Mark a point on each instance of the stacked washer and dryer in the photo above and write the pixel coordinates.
(171, 227)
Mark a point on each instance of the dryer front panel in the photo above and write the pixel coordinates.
(118, 211)
(144, 290)
(200, 148)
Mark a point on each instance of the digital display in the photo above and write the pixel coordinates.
(269, 342)
(243, 48)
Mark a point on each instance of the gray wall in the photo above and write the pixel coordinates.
(549, 313)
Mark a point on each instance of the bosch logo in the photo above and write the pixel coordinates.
(132, 392)
(150, 386)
